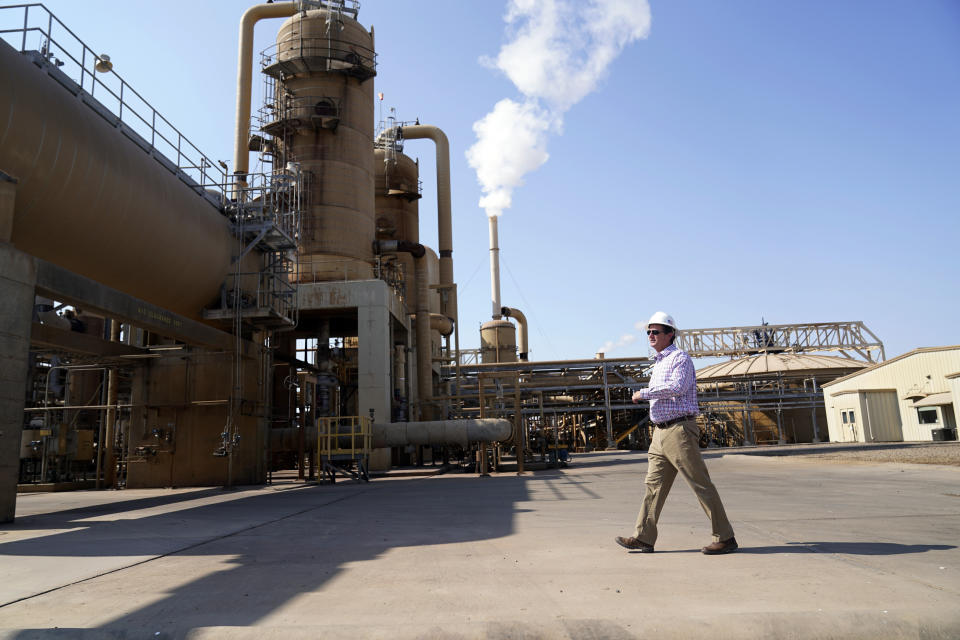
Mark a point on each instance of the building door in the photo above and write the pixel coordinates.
(848, 425)
(881, 417)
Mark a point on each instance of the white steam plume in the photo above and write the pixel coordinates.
(610, 346)
(625, 340)
(558, 52)
(516, 135)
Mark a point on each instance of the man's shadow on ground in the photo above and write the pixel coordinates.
(847, 548)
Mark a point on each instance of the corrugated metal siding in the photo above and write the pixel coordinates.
(910, 371)
(882, 416)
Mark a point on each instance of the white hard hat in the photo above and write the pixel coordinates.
(662, 318)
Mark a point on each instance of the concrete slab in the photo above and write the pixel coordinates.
(859, 551)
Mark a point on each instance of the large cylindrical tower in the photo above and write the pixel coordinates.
(397, 188)
(397, 191)
(324, 108)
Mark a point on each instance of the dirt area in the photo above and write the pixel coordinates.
(948, 454)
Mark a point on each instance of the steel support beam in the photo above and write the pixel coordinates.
(42, 335)
(63, 285)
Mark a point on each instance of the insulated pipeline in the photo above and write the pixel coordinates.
(438, 432)
(241, 151)
(400, 434)
(510, 312)
(444, 216)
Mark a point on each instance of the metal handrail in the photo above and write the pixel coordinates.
(350, 7)
(320, 47)
(190, 160)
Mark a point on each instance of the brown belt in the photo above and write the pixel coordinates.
(664, 425)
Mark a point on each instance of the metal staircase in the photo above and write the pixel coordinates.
(265, 217)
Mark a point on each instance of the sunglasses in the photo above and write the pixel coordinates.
(656, 332)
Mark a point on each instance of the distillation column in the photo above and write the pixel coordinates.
(325, 108)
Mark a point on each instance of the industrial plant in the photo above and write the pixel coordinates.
(170, 320)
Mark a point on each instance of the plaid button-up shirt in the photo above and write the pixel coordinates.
(673, 386)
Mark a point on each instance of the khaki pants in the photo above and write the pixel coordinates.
(676, 448)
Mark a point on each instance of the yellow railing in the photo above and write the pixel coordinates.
(346, 436)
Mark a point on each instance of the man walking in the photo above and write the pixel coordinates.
(675, 446)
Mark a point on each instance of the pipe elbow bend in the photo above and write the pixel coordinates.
(399, 246)
(441, 323)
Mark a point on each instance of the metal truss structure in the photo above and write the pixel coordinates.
(847, 338)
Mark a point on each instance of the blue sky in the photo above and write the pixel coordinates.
(791, 161)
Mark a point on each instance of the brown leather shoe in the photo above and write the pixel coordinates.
(634, 545)
(723, 546)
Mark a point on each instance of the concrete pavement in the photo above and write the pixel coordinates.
(827, 550)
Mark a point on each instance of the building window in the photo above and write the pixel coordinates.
(848, 417)
(927, 416)
(307, 350)
(843, 414)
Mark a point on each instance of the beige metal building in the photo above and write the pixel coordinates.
(908, 398)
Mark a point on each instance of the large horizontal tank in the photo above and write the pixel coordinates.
(324, 62)
(92, 201)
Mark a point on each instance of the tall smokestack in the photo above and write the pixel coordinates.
(494, 267)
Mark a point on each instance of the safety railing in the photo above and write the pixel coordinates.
(349, 7)
(319, 54)
(295, 111)
(33, 30)
(277, 199)
(273, 297)
(344, 437)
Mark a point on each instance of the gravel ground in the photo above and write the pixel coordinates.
(948, 454)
